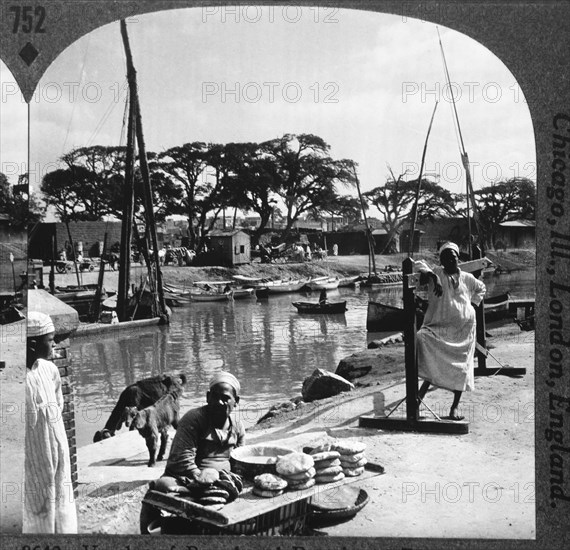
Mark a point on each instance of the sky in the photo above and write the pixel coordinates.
(364, 82)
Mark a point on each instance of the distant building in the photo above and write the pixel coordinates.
(229, 247)
(516, 234)
(87, 237)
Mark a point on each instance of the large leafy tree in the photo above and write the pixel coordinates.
(395, 201)
(513, 199)
(252, 182)
(305, 174)
(91, 186)
(186, 165)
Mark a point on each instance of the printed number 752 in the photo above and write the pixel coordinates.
(26, 16)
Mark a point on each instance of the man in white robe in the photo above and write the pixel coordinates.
(446, 340)
(49, 504)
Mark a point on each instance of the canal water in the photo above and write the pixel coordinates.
(268, 345)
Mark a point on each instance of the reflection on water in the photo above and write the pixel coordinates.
(268, 345)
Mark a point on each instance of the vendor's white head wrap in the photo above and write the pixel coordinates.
(450, 245)
(39, 324)
(226, 378)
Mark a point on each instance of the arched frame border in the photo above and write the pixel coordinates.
(531, 40)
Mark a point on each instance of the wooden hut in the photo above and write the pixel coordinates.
(230, 247)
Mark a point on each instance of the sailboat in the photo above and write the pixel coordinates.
(147, 302)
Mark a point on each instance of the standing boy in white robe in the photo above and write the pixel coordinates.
(49, 503)
(446, 340)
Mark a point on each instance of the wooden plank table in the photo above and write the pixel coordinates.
(249, 506)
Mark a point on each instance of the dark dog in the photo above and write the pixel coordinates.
(153, 422)
(139, 395)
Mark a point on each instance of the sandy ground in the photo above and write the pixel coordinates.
(477, 485)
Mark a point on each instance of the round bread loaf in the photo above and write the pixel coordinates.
(212, 500)
(349, 447)
(325, 455)
(330, 471)
(228, 486)
(326, 463)
(294, 463)
(300, 485)
(322, 447)
(269, 482)
(236, 478)
(215, 507)
(207, 476)
(265, 493)
(329, 479)
(216, 492)
(352, 472)
(303, 475)
(354, 463)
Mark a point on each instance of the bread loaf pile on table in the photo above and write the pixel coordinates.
(352, 457)
(268, 485)
(215, 489)
(327, 465)
(297, 469)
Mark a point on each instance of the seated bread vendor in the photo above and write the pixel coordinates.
(204, 438)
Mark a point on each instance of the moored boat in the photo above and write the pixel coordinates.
(281, 286)
(324, 283)
(383, 317)
(320, 307)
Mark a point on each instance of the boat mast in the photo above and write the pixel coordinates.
(418, 189)
(371, 258)
(127, 220)
(464, 157)
(145, 173)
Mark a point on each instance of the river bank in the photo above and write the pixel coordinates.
(342, 266)
(478, 485)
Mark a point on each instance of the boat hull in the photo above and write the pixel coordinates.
(383, 317)
(324, 284)
(327, 308)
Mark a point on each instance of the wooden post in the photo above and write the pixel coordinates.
(54, 258)
(96, 309)
(480, 316)
(412, 408)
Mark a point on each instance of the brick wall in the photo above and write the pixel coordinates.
(66, 373)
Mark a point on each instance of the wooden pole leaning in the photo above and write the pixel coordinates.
(412, 422)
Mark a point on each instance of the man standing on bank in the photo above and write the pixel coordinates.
(446, 341)
(49, 504)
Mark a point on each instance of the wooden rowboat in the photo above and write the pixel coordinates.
(316, 307)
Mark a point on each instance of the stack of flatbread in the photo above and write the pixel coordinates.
(268, 485)
(215, 489)
(297, 469)
(352, 457)
(327, 465)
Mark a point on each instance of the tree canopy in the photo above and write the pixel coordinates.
(395, 200)
(513, 199)
(23, 209)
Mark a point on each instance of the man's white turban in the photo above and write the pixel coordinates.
(226, 378)
(450, 245)
(39, 324)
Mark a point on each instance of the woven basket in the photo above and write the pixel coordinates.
(317, 514)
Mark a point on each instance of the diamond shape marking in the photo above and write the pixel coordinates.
(29, 53)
